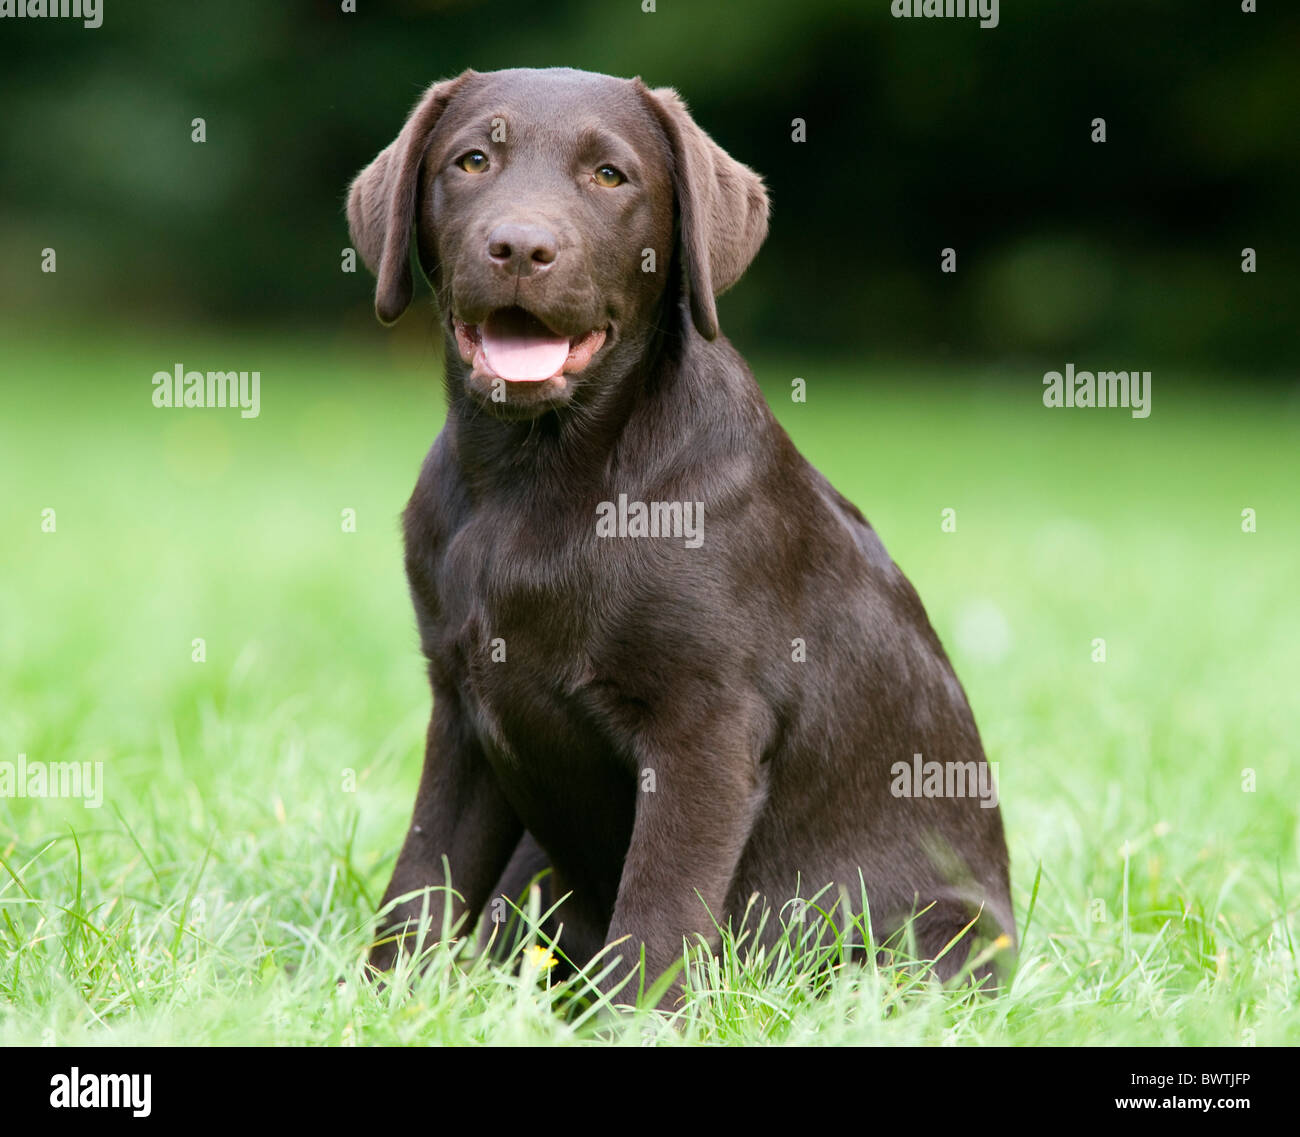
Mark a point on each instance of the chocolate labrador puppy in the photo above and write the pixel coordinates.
(669, 661)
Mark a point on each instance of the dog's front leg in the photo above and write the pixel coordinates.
(460, 814)
(696, 805)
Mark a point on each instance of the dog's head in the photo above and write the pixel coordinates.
(548, 208)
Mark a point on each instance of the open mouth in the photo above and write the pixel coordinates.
(514, 345)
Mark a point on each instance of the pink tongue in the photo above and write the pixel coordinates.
(519, 348)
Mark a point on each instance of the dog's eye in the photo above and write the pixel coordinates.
(475, 162)
(608, 177)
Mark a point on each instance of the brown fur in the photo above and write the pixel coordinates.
(631, 657)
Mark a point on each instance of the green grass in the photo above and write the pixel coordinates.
(224, 891)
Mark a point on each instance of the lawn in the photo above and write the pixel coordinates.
(253, 800)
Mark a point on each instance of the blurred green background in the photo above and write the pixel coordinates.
(921, 134)
(254, 802)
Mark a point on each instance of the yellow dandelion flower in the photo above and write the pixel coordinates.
(540, 957)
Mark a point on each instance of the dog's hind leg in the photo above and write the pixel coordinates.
(502, 925)
(983, 942)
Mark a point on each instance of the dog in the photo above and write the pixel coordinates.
(669, 662)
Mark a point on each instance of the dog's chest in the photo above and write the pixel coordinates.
(515, 635)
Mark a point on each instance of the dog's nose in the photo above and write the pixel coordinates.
(522, 249)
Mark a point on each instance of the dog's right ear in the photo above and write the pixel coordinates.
(381, 202)
(722, 206)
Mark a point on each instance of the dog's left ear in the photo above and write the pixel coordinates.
(381, 202)
(721, 203)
